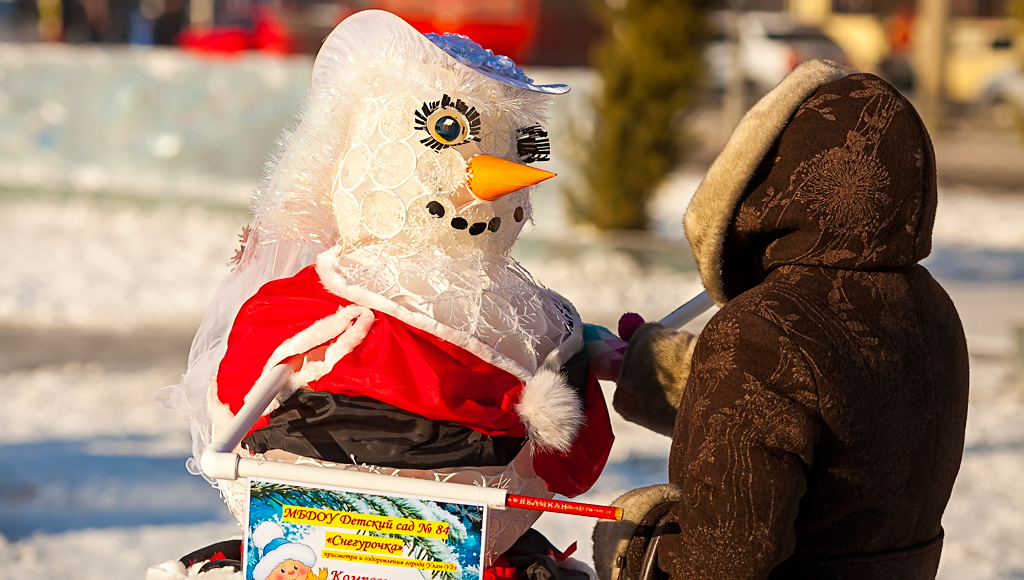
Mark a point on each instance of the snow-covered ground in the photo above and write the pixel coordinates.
(92, 477)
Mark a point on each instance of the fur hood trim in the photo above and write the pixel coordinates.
(717, 198)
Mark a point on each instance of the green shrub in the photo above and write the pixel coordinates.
(651, 65)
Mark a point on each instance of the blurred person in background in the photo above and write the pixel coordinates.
(68, 21)
(74, 22)
(897, 67)
(19, 21)
(170, 23)
(140, 24)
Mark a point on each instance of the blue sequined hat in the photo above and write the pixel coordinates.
(498, 67)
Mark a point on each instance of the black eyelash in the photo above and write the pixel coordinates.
(533, 144)
(470, 113)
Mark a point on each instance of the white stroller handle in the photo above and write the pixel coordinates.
(221, 462)
(696, 306)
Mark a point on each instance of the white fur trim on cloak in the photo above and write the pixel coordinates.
(345, 329)
(714, 203)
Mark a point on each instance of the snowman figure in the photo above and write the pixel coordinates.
(378, 265)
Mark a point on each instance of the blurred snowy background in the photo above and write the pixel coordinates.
(120, 205)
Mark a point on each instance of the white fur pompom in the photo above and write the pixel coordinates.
(550, 410)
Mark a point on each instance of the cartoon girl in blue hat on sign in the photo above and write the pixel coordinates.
(281, 559)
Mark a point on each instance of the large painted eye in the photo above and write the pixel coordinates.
(447, 123)
(532, 144)
(449, 129)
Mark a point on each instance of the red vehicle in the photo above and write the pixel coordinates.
(507, 27)
(258, 29)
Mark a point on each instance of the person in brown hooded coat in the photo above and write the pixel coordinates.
(818, 419)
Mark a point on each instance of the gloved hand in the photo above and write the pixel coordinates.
(605, 350)
(652, 375)
(623, 543)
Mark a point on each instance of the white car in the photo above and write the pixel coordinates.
(771, 44)
(1002, 99)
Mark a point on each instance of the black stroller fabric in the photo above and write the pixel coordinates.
(347, 429)
(343, 429)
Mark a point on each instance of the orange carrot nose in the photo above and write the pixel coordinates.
(490, 177)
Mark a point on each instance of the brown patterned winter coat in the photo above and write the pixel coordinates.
(822, 423)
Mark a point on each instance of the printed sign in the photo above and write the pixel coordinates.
(298, 532)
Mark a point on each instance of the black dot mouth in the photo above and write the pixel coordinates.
(458, 223)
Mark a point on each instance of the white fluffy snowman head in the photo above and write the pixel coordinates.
(408, 143)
